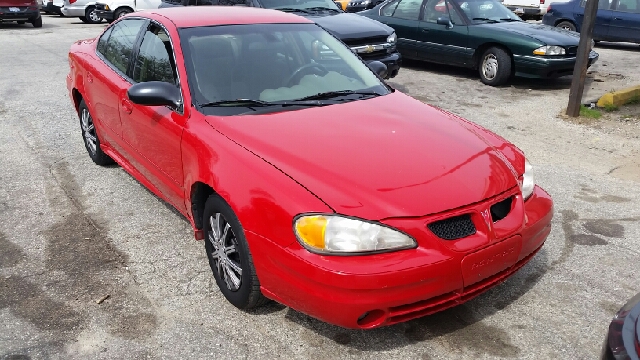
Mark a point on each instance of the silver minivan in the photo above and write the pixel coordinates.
(83, 9)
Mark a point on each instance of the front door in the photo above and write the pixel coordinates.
(625, 24)
(446, 44)
(604, 16)
(154, 133)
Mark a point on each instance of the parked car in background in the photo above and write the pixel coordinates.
(83, 9)
(623, 338)
(370, 39)
(311, 181)
(479, 34)
(616, 20)
(53, 7)
(360, 5)
(111, 10)
(21, 12)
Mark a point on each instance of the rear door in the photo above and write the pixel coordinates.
(603, 18)
(403, 16)
(106, 81)
(625, 24)
(441, 43)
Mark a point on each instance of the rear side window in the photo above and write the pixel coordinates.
(102, 43)
(627, 6)
(119, 46)
(155, 59)
(408, 9)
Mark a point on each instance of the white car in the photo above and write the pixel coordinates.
(114, 9)
(530, 9)
(83, 9)
(52, 7)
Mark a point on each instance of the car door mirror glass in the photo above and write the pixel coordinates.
(155, 93)
(379, 68)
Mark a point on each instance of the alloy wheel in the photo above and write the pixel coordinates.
(490, 66)
(225, 252)
(88, 130)
(93, 16)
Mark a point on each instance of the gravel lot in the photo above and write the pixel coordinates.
(72, 233)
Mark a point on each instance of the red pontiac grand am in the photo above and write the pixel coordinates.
(312, 182)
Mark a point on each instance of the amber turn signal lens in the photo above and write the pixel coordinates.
(310, 230)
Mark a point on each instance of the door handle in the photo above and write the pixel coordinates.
(617, 18)
(424, 30)
(89, 77)
(127, 106)
(579, 15)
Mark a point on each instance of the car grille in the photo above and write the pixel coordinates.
(572, 50)
(501, 209)
(453, 228)
(369, 48)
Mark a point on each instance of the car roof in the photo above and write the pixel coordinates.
(195, 16)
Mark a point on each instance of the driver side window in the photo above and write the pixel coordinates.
(435, 9)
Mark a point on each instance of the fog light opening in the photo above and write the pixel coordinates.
(371, 319)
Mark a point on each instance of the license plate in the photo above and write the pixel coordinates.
(14, 9)
(491, 260)
(519, 11)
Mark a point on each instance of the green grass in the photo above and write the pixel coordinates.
(589, 113)
(611, 107)
(634, 100)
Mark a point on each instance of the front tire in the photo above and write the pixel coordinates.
(91, 16)
(229, 255)
(495, 67)
(90, 137)
(566, 25)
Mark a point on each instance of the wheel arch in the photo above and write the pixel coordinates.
(199, 193)
(123, 7)
(76, 97)
(486, 46)
(559, 20)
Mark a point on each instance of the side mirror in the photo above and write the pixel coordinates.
(378, 68)
(155, 93)
(445, 21)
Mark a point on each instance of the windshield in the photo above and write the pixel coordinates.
(299, 4)
(480, 11)
(272, 63)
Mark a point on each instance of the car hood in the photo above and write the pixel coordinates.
(546, 34)
(347, 26)
(390, 156)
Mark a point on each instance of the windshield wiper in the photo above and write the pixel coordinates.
(320, 8)
(333, 94)
(487, 19)
(293, 10)
(258, 103)
(509, 19)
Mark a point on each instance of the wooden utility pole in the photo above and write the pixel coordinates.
(582, 58)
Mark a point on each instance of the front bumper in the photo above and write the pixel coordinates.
(364, 292)
(393, 62)
(105, 14)
(73, 11)
(541, 67)
(25, 14)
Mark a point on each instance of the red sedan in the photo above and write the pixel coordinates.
(312, 182)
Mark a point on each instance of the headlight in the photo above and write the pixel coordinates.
(334, 234)
(527, 181)
(365, 2)
(392, 38)
(549, 50)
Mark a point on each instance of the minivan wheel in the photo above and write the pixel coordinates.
(495, 67)
(91, 15)
(90, 136)
(229, 256)
(566, 25)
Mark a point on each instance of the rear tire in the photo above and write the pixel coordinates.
(120, 13)
(566, 25)
(37, 23)
(495, 67)
(90, 137)
(229, 256)
(84, 19)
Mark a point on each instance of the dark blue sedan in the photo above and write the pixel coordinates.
(616, 20)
